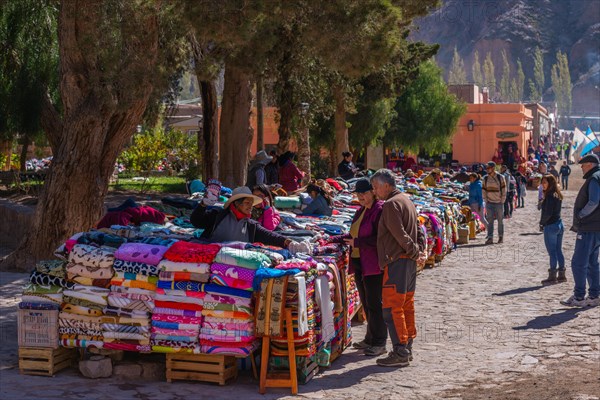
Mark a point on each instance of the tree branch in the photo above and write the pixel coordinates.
(51, 122)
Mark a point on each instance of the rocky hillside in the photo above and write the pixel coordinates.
(572, 26)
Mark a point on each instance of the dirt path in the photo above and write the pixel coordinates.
(487, 330)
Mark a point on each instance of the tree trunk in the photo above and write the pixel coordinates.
(285, 105)
(332, 161)
(210, 135)
(6, 150)
(260, 117)
(24, 150)
(341, 130)
(235, 130)
(97, 121)
(304, 151)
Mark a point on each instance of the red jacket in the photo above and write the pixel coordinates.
(290, 177)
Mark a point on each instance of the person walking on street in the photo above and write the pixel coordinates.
(564, 173)
(551, 223)
(365, 265)
(586, 222)
(521, 189)
(398, 247)
(476, 197)
(509, 203)
(494, 195)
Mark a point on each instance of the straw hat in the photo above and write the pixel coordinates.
(262, 157)
(241, 193)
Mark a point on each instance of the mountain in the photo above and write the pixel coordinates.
(519, 26)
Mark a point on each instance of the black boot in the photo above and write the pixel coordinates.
(409, 348)
(561, 276)
(551, 280)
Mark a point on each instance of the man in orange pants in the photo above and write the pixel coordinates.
(398, 250)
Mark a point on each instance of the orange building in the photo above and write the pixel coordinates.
(487, 127)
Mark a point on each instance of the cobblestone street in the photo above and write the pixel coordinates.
(487, 329)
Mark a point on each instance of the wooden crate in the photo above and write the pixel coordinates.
(43, 361)
(38, 328)
(201, 367)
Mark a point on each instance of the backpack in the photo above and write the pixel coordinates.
(500, 179)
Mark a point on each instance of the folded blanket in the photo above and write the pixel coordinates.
(41, 289)
(87, 271)
(192, 252)
(183, 276)
(229, 351)
(132, 284)
(228, 339)
(42, 298)
(227, 307)
(178, 319)
(142, 330)
(181, 285)
(119, 345)
(136, 277)
(135, 267)
(232, 271)
(113, 319)
(173, 344)
(91, 256)
(177, 312)
(125, 335)
(231, 282)
(220, 324)
(177, 306)
(189, 339)
(142, 253)
(70, 343)
(83, 303)
(111, 310)
(180, 293)
(41, 278)
(217, 289)
(77, 317)
(218, 298)
(172, 266)
(227, 314)
(67, 330)
(169, 350)
(81, 310)
(242, 258)
(129, 304)
(38, 306)
(54, 268)
(83, 281)
(180, 299)
(133, 296)
(176, 326)
(99, 298)
(129, 290)
(174, 332)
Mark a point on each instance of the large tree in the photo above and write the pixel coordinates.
(489, 75)
(114, 58)
(561, 84)
(426, 114)
(457, 74)
(476, 73)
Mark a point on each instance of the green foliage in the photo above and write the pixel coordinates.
(151, 147)
(520, 81)
(370, 123)
(505, 80)
(539, 81)
(476, 70)
(561, 84)
(426, 114)
(457, 74)
(489, 74)
(158, 184)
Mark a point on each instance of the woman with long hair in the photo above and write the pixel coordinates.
(321, 203)
(265, 213)
(551, 223)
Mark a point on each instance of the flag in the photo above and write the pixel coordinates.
(580, 141)
(593, 142)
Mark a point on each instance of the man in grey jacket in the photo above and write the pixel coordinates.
(494, 196)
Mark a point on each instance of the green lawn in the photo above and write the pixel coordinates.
(157, 184)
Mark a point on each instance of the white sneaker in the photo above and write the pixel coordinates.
(574, 302)
(592, 301)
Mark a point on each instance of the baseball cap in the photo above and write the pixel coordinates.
(590, 158)
(491, 164)
(362, 186)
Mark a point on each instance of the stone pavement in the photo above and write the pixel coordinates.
(484, 321)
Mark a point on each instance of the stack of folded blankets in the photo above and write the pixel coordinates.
(180, 296)
(80, 320)
(131, 298)
(228, 326)
(46, 285)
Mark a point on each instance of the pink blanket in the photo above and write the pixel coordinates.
(232, 271)
(141, 252)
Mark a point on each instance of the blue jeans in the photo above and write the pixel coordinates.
(494, 211)
(564, 182)
(553, 235)
(585, 264)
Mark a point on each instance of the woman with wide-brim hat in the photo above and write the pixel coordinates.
(233, 222)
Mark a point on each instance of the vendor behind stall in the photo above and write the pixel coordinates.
(321, 203)
(233, 223)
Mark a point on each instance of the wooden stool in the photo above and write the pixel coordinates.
(279, 379)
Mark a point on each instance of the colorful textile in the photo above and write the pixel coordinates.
(42, 298)
(81, 310)
(171, 311)
(229, 351)
(128, 347)
(179, 319)
(70, 343)
(38, 306)
(96, 298)
(129, 304)
(101, 283)
(136, 277)
(91, 256)
(130, 291)
(192, 252)
(133, 296)
(180, 285)
(232, 271)
(54, 268)
(231, 282)
(142, 253)
(40, 278)
(98, 238)
(86, 271)
(189, 339)
(230, 338)
(90, 305)
(41, 289)
(111, 310)
(175, 326)
(124, 335)
(216, 289)
(174, 332)
(183, 276)
(135, 267)
(242, 258)
(271, 302)
(132, 284)
(125, 328)
(227, 307)
(217, 298)
(93, 333)
(225, 326)
(172, 266)
(178, 306)
(225, 314)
